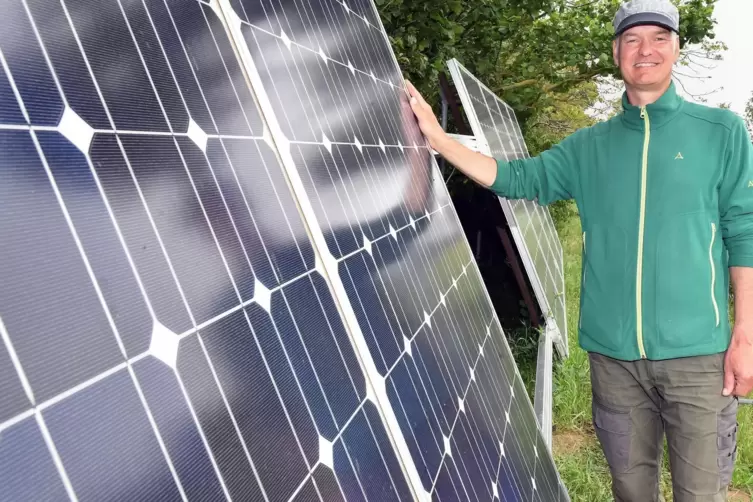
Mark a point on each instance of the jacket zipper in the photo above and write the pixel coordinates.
(585, 272)
(639, 268)
(713, 272)
(585, 269)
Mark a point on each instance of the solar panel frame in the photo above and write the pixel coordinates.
(548, 284)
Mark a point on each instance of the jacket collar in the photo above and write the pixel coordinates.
(659, 112)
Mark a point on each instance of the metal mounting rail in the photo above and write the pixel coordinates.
(542, 400)
(469, 141)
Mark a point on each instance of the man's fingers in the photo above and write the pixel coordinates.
(415, 95)
(743, 386)
(729, 381)
(412, 92)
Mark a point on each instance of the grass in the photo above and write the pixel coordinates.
(576, 451)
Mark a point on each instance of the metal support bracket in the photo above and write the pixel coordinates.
(542, 399)
(472, 142)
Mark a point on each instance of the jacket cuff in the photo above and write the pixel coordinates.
(740, 260)
(501, 181)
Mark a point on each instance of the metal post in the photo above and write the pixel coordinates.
(542, 400)
(517, 270)
(444, 112)
(442, 161)
(447, 91)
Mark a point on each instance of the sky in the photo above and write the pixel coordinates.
(735, 73)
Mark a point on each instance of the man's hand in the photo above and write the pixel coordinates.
(477, 166)
(738, 363)
(427, 121)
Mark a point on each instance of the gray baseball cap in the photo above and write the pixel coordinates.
(641, 12)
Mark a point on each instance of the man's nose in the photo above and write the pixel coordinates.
(646, 48)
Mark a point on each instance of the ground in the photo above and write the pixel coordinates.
(576, 451)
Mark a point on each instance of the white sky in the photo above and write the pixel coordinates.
(735, 73)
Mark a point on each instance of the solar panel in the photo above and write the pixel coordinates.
(231, 270)
(531, 224)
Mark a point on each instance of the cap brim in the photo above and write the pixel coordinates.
(643, 19)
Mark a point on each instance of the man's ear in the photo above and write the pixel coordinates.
(616, 51)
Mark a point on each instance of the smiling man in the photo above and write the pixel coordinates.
(665, 196)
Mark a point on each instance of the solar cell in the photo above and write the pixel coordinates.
(231, 270)
(532, 227)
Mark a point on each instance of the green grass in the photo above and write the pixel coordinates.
(743, 475)
(577, 454)
(584, 471)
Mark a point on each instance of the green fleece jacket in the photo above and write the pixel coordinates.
(665, 195)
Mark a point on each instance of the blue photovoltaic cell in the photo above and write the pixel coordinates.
(47, 294)
(77, 186)
(182, 439)
(10, 113)
(122, 195)
(35, 464)
(104, 418)
(24, 58)
(203, 302)
(14, 399)
(236, 469)
(59, 46)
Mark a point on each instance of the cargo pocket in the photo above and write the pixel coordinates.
(614, 430)
(727, 442)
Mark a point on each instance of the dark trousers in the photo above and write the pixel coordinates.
(635, 403)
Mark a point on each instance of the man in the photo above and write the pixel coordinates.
(665, 194)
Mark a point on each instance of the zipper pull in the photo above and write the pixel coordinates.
(643, 112)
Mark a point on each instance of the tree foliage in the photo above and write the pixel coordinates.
(524, 50)
(560, 116)
(543, 57)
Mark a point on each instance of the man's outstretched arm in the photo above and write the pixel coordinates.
(547, 177)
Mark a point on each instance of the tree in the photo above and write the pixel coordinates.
(562, 115)
(526, 51)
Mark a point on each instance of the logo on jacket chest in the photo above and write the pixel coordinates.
(686, 168)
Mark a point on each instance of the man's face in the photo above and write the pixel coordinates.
(646, 55)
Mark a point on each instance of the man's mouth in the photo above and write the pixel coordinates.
(646, 65)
